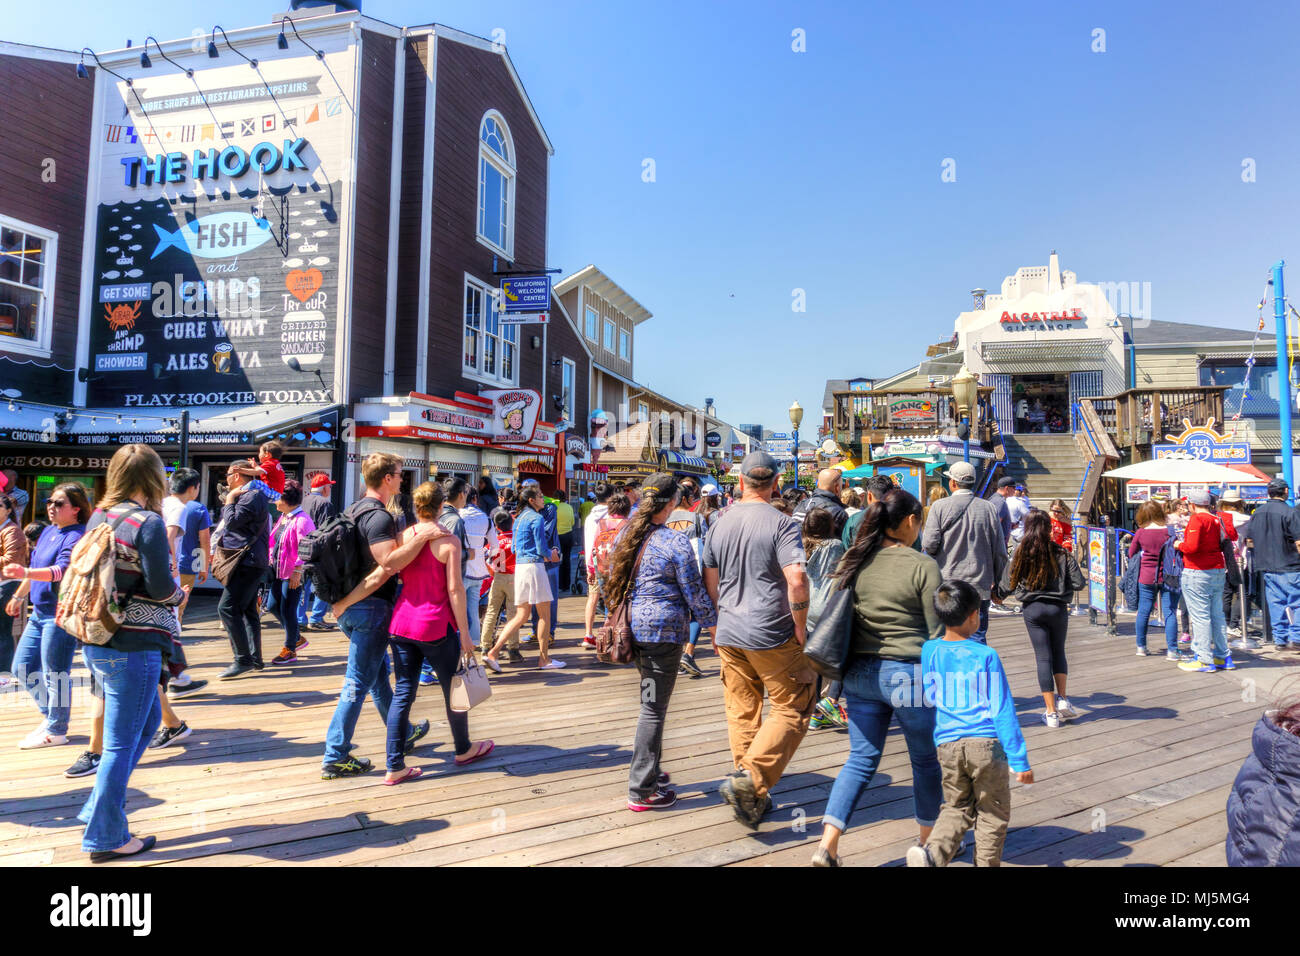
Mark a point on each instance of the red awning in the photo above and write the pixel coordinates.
(1253, 472)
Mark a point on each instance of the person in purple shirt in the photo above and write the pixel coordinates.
(1150, 539)
(43, 658)
(664, 593)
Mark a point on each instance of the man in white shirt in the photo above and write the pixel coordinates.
(481, 537)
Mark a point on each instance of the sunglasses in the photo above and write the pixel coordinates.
(56, 502)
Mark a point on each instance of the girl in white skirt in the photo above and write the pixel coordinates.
(532, 586)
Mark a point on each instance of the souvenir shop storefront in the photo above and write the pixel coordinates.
(440, 438)
(48, 446)
(636, 454)
(1042, 344)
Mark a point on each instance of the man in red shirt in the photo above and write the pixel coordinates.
(1203, 580)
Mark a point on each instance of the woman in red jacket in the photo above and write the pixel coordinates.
(1203, 581)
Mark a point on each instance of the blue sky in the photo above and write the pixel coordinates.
(820, 171)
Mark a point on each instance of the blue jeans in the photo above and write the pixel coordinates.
(286, 610)
(982, 635)
(1168, 608)
(1203, 592)
(131, 715)
(366, 626)
(472, 588)
(876, 690)
(312, 609)
(43, 662)
(1282, 591)
(552, 575)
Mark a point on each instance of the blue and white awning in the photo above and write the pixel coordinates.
(683, 462)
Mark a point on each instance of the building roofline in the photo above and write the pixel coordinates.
(607, 289)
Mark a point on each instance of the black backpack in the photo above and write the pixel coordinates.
(336, 556)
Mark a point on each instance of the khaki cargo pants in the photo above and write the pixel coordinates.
(501, 595)
(764, 747)
(976, 793)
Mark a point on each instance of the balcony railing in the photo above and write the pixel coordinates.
(866, 418)
(1142, 417)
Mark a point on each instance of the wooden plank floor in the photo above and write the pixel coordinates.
(1140, 779)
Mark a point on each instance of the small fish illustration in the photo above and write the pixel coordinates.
(112, 228)
(135, 273)
(310, 222)
(295, 235)
(160, 205)
(113, 249)
(135, 248)
(291, 263)
(137, 208)
(128, 218)
(116, 209)
(321, 436)
(299, 436)
(10, 393)
(296, 212)
(111, 275)
(319, 261)
(322, 232)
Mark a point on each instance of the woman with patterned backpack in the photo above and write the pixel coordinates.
(129, 664)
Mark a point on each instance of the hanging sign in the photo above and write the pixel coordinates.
(525, 300)
(514, 413)
(913, 411)
(1203, 442)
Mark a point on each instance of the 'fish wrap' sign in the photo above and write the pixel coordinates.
(220, 234)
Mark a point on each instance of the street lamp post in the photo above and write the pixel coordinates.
(796, 416)
(965, 392)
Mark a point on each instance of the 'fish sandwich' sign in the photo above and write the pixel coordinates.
(221, 229)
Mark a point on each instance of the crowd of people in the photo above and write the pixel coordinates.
(453, 573)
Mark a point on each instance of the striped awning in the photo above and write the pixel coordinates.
(686, 462)
(1079, 355)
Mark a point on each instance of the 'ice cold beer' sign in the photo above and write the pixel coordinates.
(219, 234)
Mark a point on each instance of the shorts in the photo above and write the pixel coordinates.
(532, 586)
(596, 582)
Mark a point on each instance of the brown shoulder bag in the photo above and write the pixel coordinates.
(614, 640)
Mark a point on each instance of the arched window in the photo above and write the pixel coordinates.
(496, 184)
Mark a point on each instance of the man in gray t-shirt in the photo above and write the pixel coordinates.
(753, 562)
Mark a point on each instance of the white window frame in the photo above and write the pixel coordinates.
(625, 345)
(609, 341)
(475, 372)
(508, 171)
(591, 325)
(45, 321)
(643, 412)
(569, 370)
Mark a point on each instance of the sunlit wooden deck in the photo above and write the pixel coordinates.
(1140, 779)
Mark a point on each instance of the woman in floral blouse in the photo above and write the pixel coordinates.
(664, 597)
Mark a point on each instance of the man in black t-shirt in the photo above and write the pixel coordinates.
(364, 615)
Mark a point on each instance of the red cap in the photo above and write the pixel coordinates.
(320, 481)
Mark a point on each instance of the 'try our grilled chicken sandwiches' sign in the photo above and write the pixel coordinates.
(219, 232)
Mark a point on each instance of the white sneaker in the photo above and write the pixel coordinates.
(40, 737)
(1232, 631)
(1141, 652)
(1064, 709)
(1052, 720)
(919, 856)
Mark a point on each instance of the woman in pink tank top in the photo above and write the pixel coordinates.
(429, 623)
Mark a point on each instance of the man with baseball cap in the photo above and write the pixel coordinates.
(1274, 536)
(1011, 510)
(753, 561)
(963, 533)
(318, 506)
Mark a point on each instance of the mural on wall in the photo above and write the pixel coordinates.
(220, 232)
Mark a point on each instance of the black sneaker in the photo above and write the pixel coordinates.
(689, 666)
(86, 764)
(236, 670)
(417, 731)
(348, 767)
(185, 690)
(322, 627)
(167, 736)
(738, 792)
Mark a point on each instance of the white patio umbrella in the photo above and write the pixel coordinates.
(1178, 469)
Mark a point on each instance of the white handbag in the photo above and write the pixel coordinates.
(469, 686)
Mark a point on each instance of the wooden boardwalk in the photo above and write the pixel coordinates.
(1140, 779)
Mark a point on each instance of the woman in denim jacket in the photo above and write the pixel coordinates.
(665, 596)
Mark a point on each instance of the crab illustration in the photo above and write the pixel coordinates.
(122, 316)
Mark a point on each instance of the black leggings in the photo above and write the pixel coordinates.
(1048, 623)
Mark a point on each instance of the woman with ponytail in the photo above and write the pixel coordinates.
(1043, 576)
(653, 569)
(893, 615)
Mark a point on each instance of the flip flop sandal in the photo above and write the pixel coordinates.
(410, 774)
(491, 745)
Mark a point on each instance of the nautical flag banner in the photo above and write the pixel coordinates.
(209, 131)
(114, 134)
(333, 106)
(315, 114)
(248, 127)
(187, 134)
(268, 123)
(227, 129)
(130, 135)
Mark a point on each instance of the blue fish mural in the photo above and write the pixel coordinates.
(219, 236)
